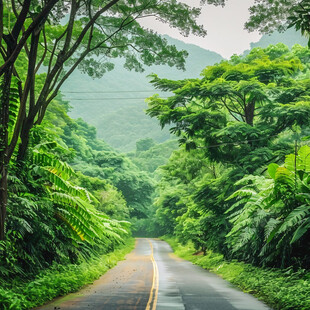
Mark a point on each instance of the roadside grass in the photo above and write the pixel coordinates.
(283, 289)
(59, 280)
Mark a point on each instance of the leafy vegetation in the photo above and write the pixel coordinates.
(274, 218)
(51, 218)
(241, 116)
(59, 280)
(149, 156)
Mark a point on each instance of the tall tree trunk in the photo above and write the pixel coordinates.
(26, 123)
(4, 160)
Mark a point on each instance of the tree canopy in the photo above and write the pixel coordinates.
(239, 107)
(238, 185)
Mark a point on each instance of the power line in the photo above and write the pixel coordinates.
(100, 99)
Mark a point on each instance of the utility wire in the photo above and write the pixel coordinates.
(100, 99)
(108, 92)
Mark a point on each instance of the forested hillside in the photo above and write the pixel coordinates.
(289, 37)
(115, 103)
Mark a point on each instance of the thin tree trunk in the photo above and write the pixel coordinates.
(3, 200)
(29, 88)
(4, 122)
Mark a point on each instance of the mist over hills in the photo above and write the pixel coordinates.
(115, 103)
(290, 37)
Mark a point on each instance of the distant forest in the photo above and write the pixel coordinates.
(121, 122)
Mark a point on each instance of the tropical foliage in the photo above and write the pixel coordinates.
(241, 116)
(273, 220)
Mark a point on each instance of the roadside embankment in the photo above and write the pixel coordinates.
(283, 289)
(59, 280)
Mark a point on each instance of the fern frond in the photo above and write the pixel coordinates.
(53, 164)
(294, 218)
(271, 229)
(300, 231)
(243, 192)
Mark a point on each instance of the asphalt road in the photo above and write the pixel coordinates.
(152, 277)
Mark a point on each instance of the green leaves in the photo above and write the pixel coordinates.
(300, 19)
(73, 203)
(239, 108)
(272, 168)
(243, 114)
(283, 210)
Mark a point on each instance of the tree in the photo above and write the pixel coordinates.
(270, 15)
(238, 107)
(11, 44)
(241, 115)
(30, 39)
(301, 19)
(144, 144)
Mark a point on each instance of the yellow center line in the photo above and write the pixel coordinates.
(154, 289)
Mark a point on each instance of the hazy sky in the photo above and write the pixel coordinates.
(226, 35)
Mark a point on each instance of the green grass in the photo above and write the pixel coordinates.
(283, 289)
(59, 280)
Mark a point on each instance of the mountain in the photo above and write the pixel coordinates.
(290, 37)
(115, 104)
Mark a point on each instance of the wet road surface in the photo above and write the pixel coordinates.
(183, 285)
(152, 277)
(126, 286)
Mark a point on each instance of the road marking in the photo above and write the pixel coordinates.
(154, 290)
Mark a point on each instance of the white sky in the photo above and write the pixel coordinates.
(225, 26)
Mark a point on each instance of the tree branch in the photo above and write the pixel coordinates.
(29, 87)
(74, 8)
(20, 20)
(36, 22)
(86, 28)
(53, 52)
(44, 53)
(231, 112)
